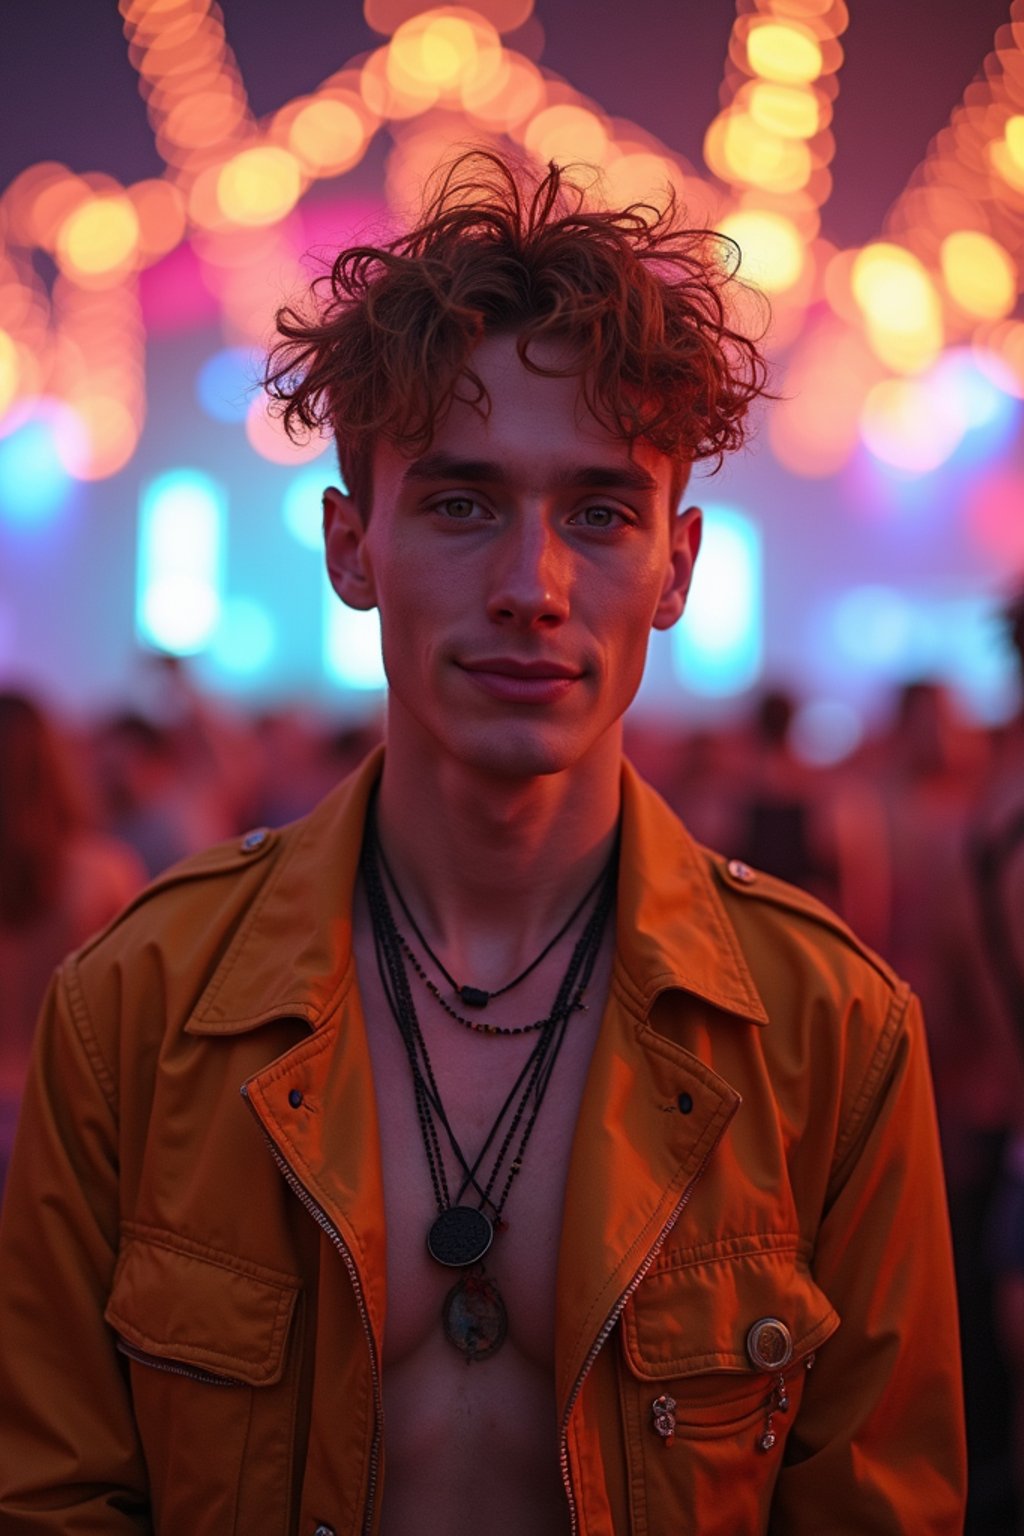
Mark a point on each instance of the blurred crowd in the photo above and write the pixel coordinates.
(917, 841)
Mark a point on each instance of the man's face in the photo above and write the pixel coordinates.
(519, 565)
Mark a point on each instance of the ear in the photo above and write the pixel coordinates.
(348, 563)
(686, 532)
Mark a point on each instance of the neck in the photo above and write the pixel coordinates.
(491, 866)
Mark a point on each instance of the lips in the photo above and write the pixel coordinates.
(515, 681)
(511, 666)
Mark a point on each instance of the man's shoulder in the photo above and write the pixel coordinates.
(767, 910)
(216, 884)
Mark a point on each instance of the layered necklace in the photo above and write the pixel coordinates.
(473, 1314)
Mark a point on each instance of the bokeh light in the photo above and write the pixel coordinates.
(979, 274)
(907, 426)
(302, 506)
(900, 305)
(34, 485)
(268, 437)
(717, 649)
(351, 644)
(181, 559)
(259, 186)
(245, 638)
(565, 132)
(99, 239)
(783, 52)
(226, 382)
(773, 252)
(328, 136)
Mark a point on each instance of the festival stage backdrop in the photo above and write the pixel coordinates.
(171, 169)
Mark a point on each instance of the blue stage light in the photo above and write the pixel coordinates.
(352, 654)
(227, 382)
(717, 647)
(245, 638)
(34, 485)
(182, 534)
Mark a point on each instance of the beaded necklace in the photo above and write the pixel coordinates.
(473, 1315)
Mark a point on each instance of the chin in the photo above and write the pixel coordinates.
(512, 751)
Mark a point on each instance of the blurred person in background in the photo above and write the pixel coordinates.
(994, 1219)
(59, 882)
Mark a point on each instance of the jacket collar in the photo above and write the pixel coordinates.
(292, 954)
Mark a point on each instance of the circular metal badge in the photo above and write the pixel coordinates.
(459, 1237)
(769, 1345)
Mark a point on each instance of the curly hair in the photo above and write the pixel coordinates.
(637, 298)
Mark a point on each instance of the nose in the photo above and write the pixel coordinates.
(531, 578)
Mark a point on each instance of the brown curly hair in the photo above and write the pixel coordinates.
(639, 299)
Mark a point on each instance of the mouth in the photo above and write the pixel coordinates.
(522, 682)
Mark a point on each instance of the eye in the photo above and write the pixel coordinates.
(459, 508)
(599, 516)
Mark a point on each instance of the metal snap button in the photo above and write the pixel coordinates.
(769, 1344)
(324, 1530)
(685, 1102)
(254, 840)
(295, 1097)
(741, 872)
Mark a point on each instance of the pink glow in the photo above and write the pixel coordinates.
(174, 296)
(995, 515)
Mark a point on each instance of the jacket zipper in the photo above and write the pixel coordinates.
(175, 1368)
(324, 1222)
(609, 1324)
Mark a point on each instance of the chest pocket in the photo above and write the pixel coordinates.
(716, 1347)
(212, 1378)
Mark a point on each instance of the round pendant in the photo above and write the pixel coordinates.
(474, 1316)
(459, 1237)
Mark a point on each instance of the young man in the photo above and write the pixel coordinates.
(478, 1154)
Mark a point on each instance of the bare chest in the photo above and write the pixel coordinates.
(444, 1416)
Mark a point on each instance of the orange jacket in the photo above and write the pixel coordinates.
(192, 1296)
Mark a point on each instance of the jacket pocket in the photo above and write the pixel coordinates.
(716, 1346)
(206, 1335)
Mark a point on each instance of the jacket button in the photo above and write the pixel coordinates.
(769, 1344)
(324, 1530)
(295, 1097)
(253, 841)
(685, 1102)
(741, 872)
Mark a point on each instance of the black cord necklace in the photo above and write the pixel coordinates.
(473, 1314)
(477, 997)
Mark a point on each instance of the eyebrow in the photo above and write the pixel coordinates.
(446, 466)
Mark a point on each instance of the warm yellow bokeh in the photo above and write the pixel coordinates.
(786, 53)
(773, 254)
(790, 111)
(979, 274)
(432, 52)
(259, 186)
(566, 133)
(99, 238)
(328, 136)
(10, 371)
(514, 94)
(1014, 137)
(900, 305)
(738, 150)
